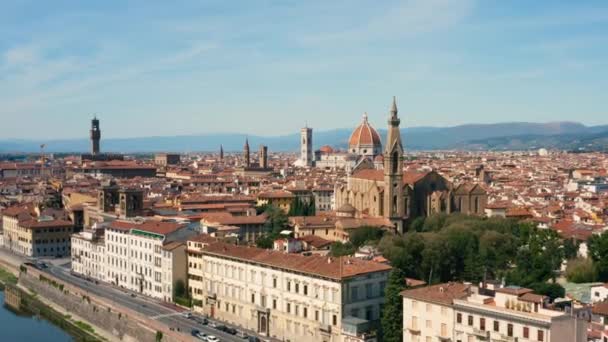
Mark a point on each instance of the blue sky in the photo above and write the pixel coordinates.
(268, 67)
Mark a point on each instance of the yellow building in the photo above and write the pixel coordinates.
(29, 233)
(280, 198)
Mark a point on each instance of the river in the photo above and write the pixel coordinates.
(17, 327)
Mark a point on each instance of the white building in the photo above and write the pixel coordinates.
(599, 293)
(462, 313)
(147, 257)
(89, 254)
(286, 296)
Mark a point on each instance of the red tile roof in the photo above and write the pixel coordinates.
(333, 268)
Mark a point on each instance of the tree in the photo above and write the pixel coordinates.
(392, 314)
(179, 289)
(364, 235)
(581, 271)
(598, 251)
(551, 290)
(570, 248)
(339, 249)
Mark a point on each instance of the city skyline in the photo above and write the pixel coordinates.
(267, 69)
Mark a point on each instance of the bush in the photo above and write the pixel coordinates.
(581, 271)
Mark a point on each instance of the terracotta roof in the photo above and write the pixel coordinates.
(533, 298)
(364, 134)
(276, 194)
(156, 227)
(514, 290)
(225, 218)
(439, 294)
(46, 224)
(333, 268)
(600, 308)
(315, 241)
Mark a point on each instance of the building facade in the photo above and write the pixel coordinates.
(285, 296)
(464, 313)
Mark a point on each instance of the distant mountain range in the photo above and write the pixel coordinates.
(501, 136)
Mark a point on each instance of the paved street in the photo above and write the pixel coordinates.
(166, 313)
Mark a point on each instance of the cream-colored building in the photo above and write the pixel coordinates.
(89, 254)
(463, 313)
(29, 232)
(286, 296)
(148, 257)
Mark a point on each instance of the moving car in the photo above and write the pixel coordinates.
(212, 338)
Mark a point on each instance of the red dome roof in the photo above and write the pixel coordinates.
(365, 134)
(326, 149)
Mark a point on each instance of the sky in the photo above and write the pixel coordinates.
(159, 68)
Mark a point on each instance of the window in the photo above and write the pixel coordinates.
(526, 332)
(459, 318)
(510, 330)
(429, 307)
(288, 285)
(306, 290)
(274, 303)
(335, 320)
(297, 288)
(288, 307)
(470, 320)
(253, 297)
(496, 326)
(482, 324)
(305, 312)
(316, 315)
(274, 282)
(541, 336)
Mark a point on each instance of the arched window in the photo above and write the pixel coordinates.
(395, 161)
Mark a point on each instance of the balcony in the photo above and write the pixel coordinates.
(415, 330)
(481, 334)
(325, 328)
(443, 338)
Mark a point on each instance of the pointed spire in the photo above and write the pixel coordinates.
(394, 106)
(246, 143)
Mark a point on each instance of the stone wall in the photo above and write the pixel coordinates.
(125, 324)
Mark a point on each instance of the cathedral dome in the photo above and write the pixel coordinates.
(326, 149)
(365, 140)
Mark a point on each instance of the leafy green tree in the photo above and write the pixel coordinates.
(179, 289)
(581, 271)
(338, 249)
(392, 314)
(417, 224)
(570, 249)
(598, 251)
(365, 235)
(551, 290)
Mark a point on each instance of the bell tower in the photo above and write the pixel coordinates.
(95, 136)
(246, 153)
(394, 208)
(306, 146)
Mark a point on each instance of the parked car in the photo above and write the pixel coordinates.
(254, 339)
(230, 331)
(242, 335)
(187, 314)
(202, 336)
(212, 338)
(194, 332)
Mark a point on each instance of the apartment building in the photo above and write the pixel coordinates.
(30, 232)
(89, 254)
(148, 257)
(464, 313)
(287, 296)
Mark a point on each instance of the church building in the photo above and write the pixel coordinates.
(387, 191)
